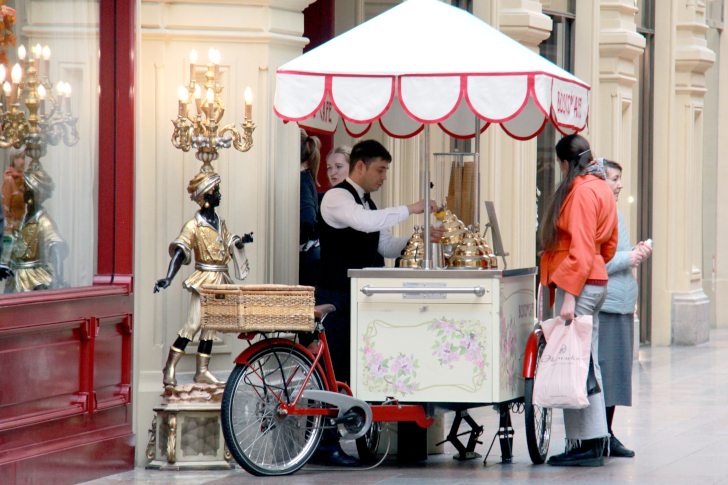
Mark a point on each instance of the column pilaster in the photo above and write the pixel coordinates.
(681, 59)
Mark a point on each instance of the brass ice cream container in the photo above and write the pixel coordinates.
(468, 255)
(414, 252)
(487, 252)
(454, 229)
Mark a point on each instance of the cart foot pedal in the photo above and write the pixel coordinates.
(464, 452)
(469, 455)
(504, 434)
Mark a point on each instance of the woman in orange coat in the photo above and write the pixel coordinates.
(12, 191)
(579, 236)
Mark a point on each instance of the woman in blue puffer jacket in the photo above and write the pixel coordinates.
(616, 318)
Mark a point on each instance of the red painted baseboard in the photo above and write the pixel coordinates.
(73, 465)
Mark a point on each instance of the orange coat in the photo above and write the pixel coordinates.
(587, 237)
(13, 200)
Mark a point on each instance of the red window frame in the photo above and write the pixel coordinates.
(67, 354)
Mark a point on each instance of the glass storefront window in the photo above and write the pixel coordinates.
(49, 192)
(645, 18)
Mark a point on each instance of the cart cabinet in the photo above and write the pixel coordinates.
(440, 335)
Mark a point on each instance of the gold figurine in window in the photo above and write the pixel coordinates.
(38, 251)
(207, 237)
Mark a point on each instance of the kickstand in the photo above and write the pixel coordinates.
(465, 452)
(505, 433)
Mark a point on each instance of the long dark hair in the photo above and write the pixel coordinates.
(311, 153)
(576, 150)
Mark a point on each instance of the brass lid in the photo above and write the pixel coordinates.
(412, 251)
(469, 254)
(410, 262)
(454, 229)
(462, 261)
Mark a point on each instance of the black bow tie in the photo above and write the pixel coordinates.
(367, 197)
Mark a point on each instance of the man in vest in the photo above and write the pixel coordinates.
(354, 234)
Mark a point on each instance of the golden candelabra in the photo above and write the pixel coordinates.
(39, 126)
(206, 135)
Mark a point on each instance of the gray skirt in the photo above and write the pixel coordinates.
(616, 344)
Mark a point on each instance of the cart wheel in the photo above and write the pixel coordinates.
(538, 419)
(262, 441)
(368, 444)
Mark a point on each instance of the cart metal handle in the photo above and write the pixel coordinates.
(369, 290)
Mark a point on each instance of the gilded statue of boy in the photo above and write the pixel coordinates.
(207, 237)
(36, 258)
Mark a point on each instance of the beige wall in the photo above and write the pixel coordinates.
(260, 187)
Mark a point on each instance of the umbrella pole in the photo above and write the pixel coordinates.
(425, 172)
(477, 171)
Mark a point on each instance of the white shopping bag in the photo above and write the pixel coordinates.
(564, 365)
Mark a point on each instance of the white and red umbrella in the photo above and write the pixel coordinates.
(425, 62)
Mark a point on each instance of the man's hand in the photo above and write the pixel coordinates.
(162, 284)
(567, 309)
(436, 233)
(419, 207)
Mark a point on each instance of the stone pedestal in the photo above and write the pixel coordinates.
(690, 318)
(186, 432)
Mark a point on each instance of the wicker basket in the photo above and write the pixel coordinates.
(257, 308)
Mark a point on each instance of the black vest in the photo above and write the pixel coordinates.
(345, 249)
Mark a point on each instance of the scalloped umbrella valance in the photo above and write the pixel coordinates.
(424, 61)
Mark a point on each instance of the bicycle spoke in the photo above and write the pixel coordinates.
(265, 442)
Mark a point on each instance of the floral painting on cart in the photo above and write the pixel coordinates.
(516, 320)
(425, 355)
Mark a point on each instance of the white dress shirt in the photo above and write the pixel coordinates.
(340, 210)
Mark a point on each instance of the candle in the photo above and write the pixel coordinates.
(60, 89)
(183, 95)
(5, 94)
(37, 51)
(42, 96)
(47, 61)
(198, 98)
(210, 100)
(67, 90)
(215, 59)
(248, 104)
(15, 76)
(193, 61)
(21, 56)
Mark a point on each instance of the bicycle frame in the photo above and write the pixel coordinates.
(390, 412)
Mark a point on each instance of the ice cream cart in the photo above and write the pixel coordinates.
(425, 339)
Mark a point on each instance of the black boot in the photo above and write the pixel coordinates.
(616, 448)
(590, 453)
(334, 456)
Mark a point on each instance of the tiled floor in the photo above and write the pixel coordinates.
(678, 427)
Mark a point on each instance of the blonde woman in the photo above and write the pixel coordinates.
(337, 164)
